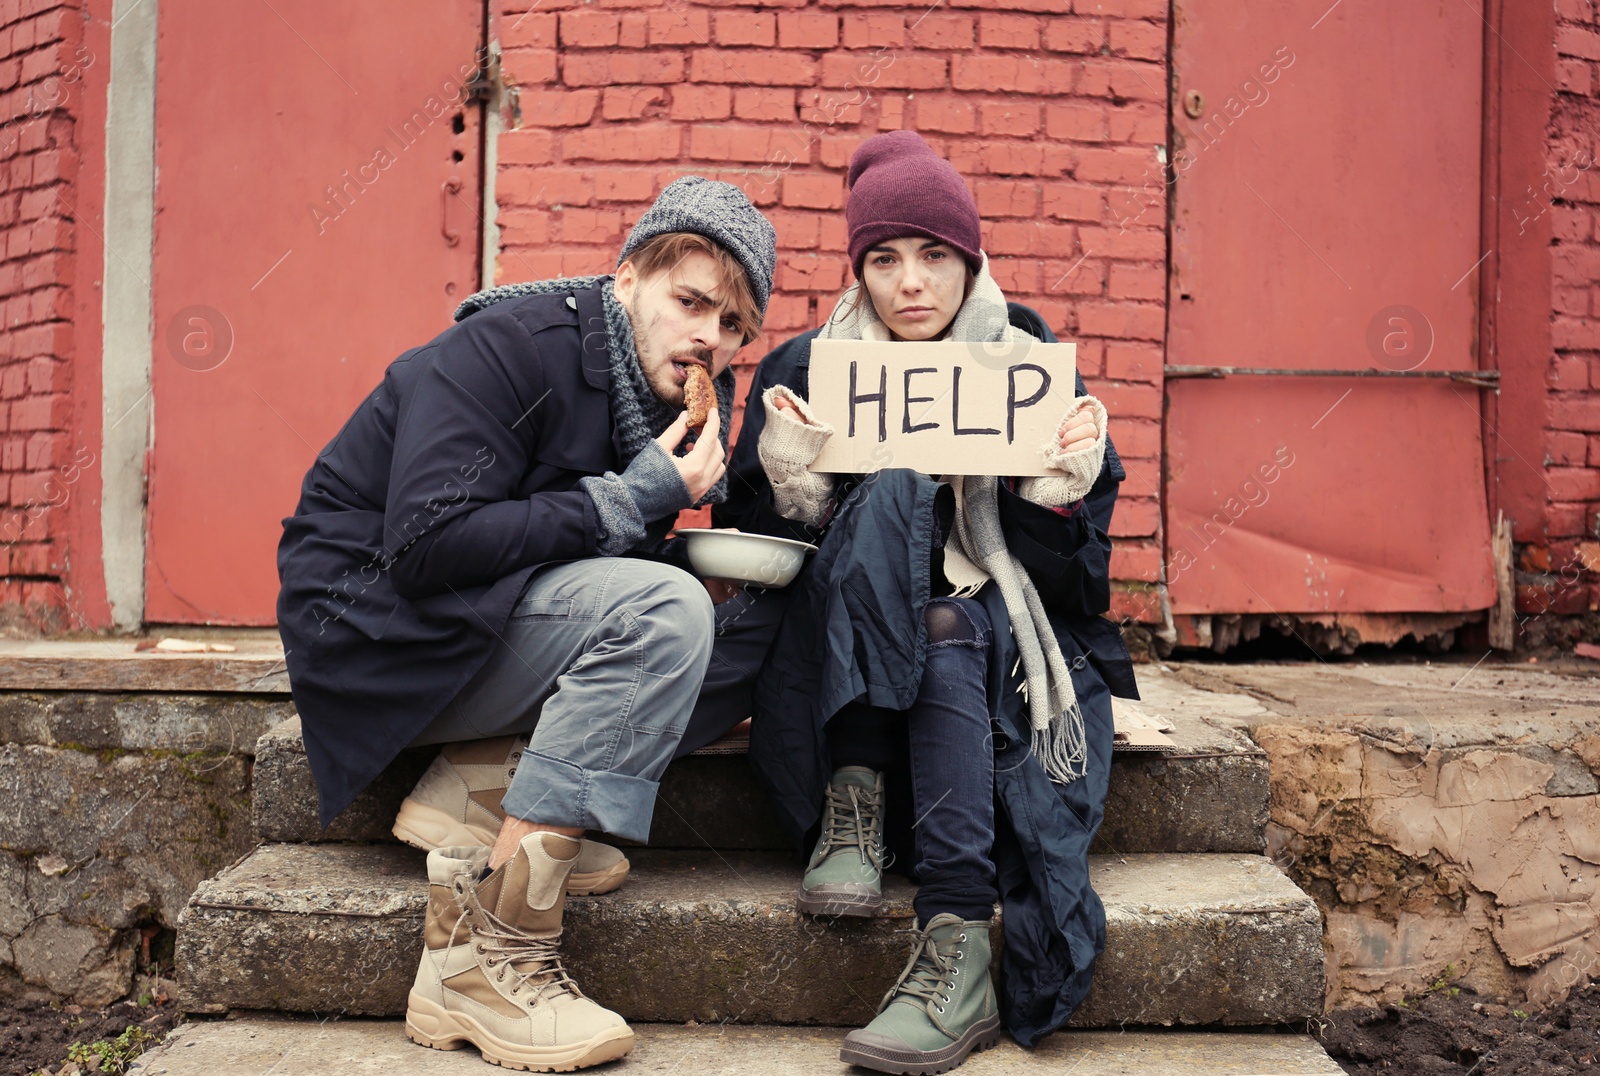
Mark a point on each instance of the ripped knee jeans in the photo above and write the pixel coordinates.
(945, 737)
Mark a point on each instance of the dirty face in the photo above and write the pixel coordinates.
(681, 316)
(916, 284)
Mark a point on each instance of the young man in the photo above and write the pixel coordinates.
(480, 553)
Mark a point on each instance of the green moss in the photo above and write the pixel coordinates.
(197, 766)
(106, 755)
(220, 814)
(1442, 985)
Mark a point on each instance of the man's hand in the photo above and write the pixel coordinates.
(783, 403)
(705, 462)
(1079, 432)
(721, 590)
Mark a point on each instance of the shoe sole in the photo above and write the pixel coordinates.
(432, 1025)
(429, 828)
(864, 904)
(983, 1035)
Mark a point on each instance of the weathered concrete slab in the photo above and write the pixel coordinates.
(1210, 796)
(97, 844)
(706, 801)
(1203, 939)
(260, 1045)
(284, 807)
(127, 721)
(111, 663)
(714, 937)
(1446, 702)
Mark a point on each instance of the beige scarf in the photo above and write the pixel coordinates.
(977, 553)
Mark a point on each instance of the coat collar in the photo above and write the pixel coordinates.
(592, 328)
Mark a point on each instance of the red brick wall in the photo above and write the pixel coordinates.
(1053, 120)
(1562, 573)
(43, 65)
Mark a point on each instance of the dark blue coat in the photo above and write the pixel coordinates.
(854, 630)
(421, 521)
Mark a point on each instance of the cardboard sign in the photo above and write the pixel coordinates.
(941, 408)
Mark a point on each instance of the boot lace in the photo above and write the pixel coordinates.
(928, 978)
(849, 820)
(534, 960)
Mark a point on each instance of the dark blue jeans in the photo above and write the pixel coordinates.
(944, 741)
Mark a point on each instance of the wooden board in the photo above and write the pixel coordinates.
(113, 665)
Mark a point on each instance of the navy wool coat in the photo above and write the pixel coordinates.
(854, 630)
(422, 520)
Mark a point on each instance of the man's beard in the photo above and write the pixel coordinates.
(662, 376)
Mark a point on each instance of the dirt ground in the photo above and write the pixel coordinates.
(1455, 1032)
(36, 1038)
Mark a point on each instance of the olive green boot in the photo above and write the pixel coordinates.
(845, 875)
(942, 1008)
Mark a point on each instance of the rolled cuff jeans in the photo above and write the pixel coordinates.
(614, 666)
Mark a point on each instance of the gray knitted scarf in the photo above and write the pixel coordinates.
(640, 415)
(1056, 720)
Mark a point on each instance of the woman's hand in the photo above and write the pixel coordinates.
(1079, 432)
(789, 444)
(1076, 457)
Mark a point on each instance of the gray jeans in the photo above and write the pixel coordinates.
(615, 666)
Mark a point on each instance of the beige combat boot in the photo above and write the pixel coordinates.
(457, 803)
(491, 971)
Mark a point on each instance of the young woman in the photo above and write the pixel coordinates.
(944, 669)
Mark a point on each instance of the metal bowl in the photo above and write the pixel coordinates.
(756, 559)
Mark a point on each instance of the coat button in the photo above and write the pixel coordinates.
(572, 302)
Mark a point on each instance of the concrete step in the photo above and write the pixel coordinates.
(708, 800)
(262, 1045)
(1211, 795)
(714, 936)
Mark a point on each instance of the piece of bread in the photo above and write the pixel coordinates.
(699, 396)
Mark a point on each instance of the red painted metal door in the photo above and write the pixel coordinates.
(1326, 217)
(317, 213)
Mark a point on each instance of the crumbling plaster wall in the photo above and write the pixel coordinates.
(1478, 863)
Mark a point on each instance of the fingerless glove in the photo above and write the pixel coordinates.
(1079, 469)
(786, 448)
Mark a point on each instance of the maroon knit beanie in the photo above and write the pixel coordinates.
(898, 187)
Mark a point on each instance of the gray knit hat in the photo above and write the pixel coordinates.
(720, 212)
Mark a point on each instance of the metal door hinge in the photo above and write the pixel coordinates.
(480, 88)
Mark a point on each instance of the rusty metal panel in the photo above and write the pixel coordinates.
(1326, 217)
(312, 160)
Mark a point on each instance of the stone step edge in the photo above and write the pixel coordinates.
(1212, 795)
(258, 1045)
(1191, 939)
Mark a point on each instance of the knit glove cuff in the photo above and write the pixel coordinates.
(649, 489)
(787, 447)
(1080, 468)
